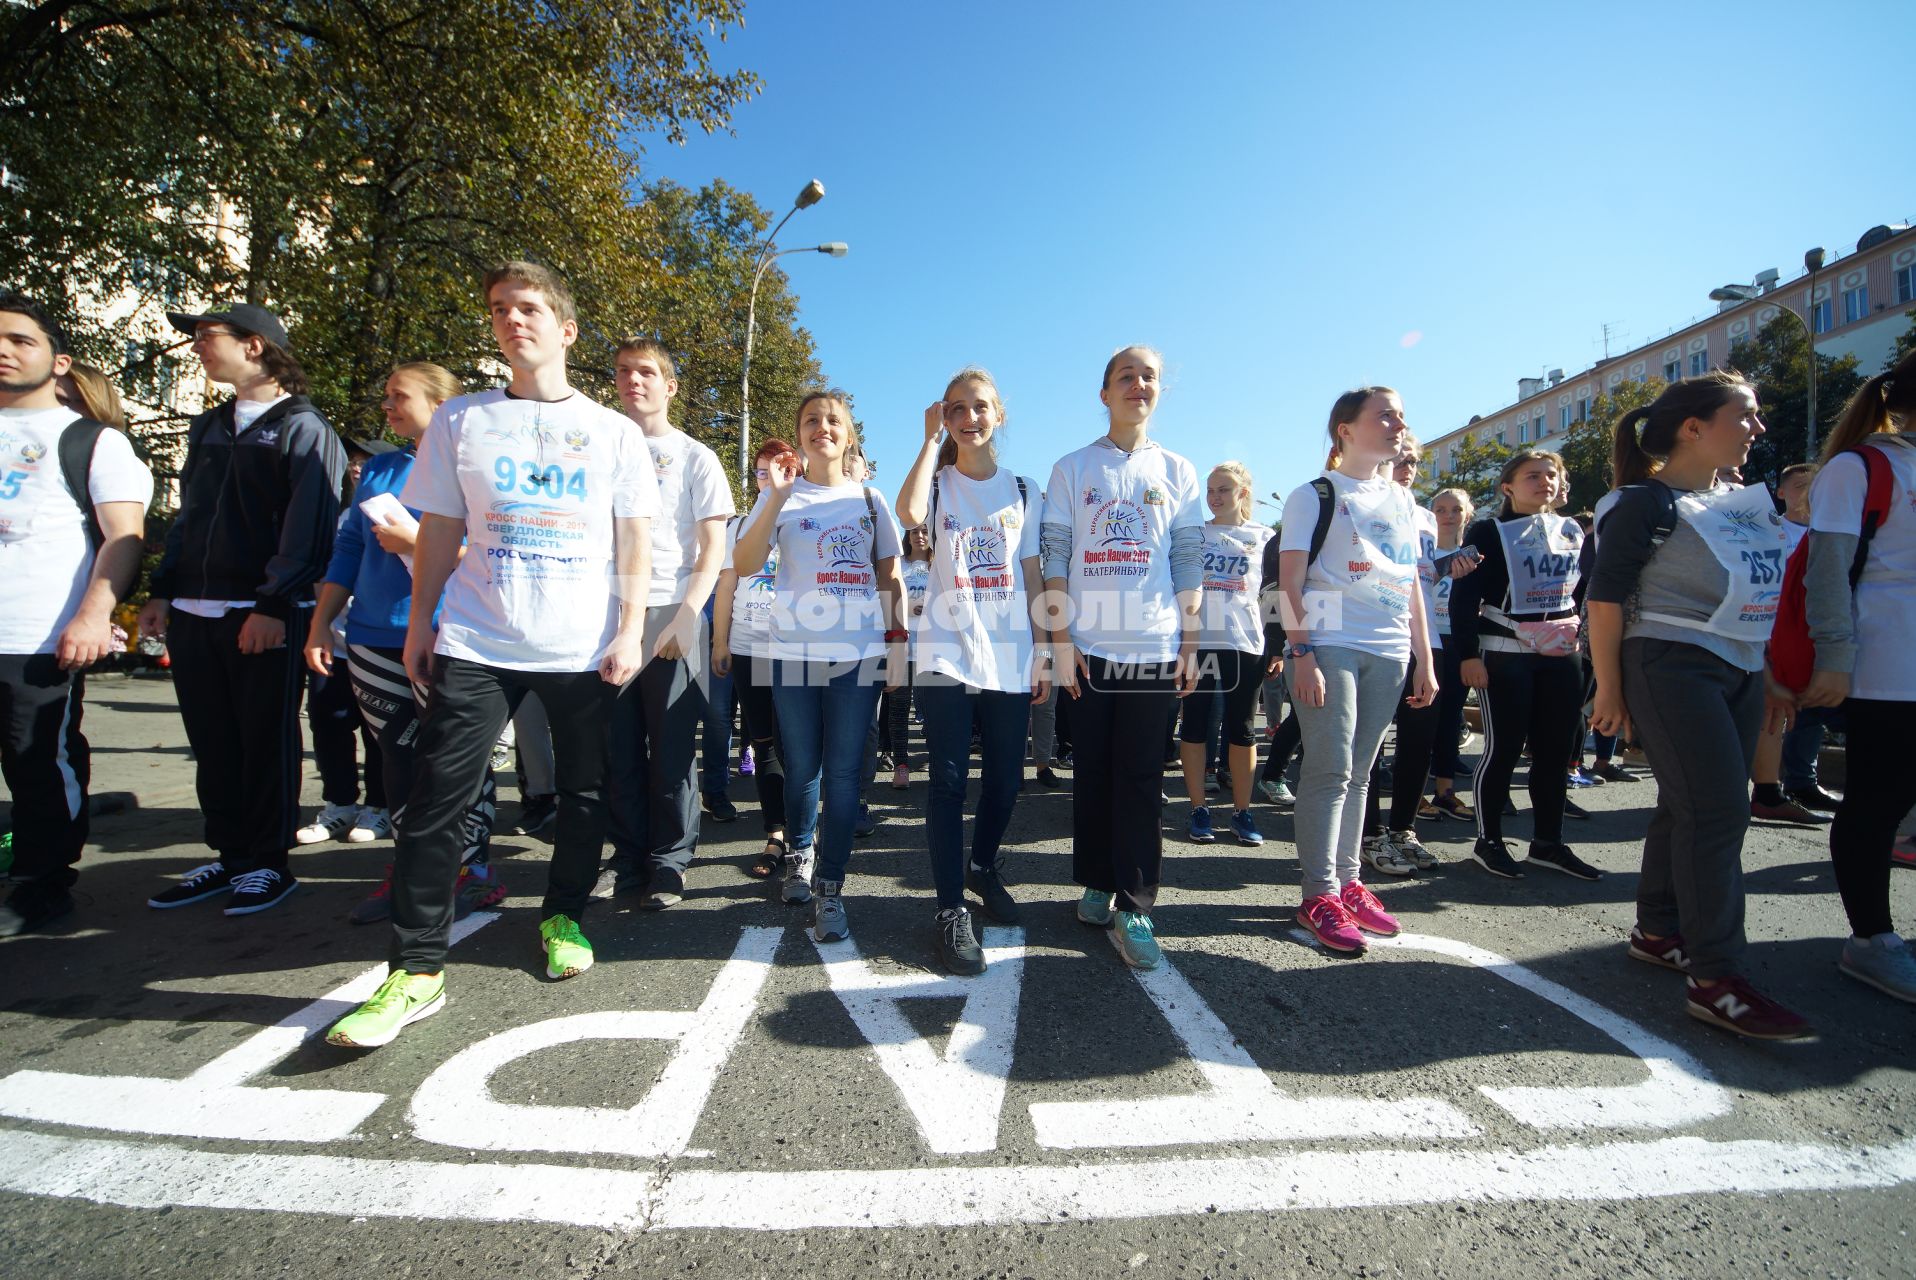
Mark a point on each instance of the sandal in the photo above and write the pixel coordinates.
(769, 860)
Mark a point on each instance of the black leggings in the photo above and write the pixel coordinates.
(752, 680)
(1537, 700)
(894, 723)
(1878, 790)
(1416, 736)
(1238, 676)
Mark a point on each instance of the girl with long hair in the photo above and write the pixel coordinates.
(1123, 547)
(1354, 598)
(1861, 616)
(972, 648)
(741, 648)
(837, 632)
(1682, 602)
(1514, 625)
(1232, 661)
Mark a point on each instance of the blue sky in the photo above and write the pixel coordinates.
(1289, 200)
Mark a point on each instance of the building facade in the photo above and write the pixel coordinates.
(1860, 304)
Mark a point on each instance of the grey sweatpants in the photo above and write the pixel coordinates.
(1341, 738)
(1698, 718)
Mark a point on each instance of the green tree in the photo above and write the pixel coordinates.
(1585, 448)
(357, 164)
(1905, 343)
(1475, 465)
(1776, 361)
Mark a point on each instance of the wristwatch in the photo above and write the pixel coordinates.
(1298, 650)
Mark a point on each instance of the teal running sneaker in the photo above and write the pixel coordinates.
(1094, 908)
(402, 999)
(568, 954)
(1135, 941)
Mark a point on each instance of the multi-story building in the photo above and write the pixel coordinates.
(1858, 304)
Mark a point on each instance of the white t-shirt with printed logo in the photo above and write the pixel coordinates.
(1884, 604)
(828, 607)
(1121, 508)
(752, 601)
(692, 488)
(1357, 592)
(538, 484)
(976, 627)
(1436, 585)
(45, 558)
(1228, 617)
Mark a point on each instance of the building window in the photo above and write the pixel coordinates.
(1906, 284)
(1821, 318)
(1583, 409)
(1563, 417)
(1855, 303)
(1672, 370)
(1699, 363)
(1501, 442)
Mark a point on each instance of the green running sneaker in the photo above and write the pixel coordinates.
(1094, 908)
(6, 852)
(568, 954)
(1134, 939)
(402, 999)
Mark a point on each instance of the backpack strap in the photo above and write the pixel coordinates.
(1667, 516)
(872, 507)
(931, 520)
(1878, 493)
(77, 443)
(1326, 508)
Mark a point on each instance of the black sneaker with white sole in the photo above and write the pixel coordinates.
(1493, 857)
(1560, 857)
(258, 890)
(1571, 809)
(32, 906)
(197, 885)
(991, 891)
(665, 889)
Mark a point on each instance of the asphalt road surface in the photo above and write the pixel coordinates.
(1500, 1092)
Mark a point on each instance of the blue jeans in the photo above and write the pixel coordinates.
(824, 713)
(947, 708)
(1803, 742)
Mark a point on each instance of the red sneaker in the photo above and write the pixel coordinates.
(1368, 912)
(1733, 1004)
(1329, 921)
(1667, 952)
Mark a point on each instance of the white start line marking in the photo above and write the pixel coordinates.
(955, 1099)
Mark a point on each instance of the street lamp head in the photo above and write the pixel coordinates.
(814, 192)
(1813, 260)
(1732, 293)
(837, 248)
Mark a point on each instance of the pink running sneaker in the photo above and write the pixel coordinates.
(1368, 912)
(1329, 921)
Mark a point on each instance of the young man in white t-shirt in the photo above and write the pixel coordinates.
(58, 586)
(651, 789)
(553, 496)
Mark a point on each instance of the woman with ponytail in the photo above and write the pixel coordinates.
(1862, 615)
(1681, 606)
(1364, 630)
(1514, 626)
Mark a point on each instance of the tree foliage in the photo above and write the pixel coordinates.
(357, 164)
(1474, 468)
(1776, 361)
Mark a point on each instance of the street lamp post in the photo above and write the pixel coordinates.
(813, 192)
(1812, 263)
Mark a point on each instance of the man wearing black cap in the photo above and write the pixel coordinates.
(259, 504)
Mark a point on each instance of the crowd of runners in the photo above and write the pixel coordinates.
(523, 576)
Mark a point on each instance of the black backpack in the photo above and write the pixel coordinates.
(1267, 591)
(77, 443)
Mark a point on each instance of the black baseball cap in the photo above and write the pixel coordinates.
(372, 446)
(243, 316)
